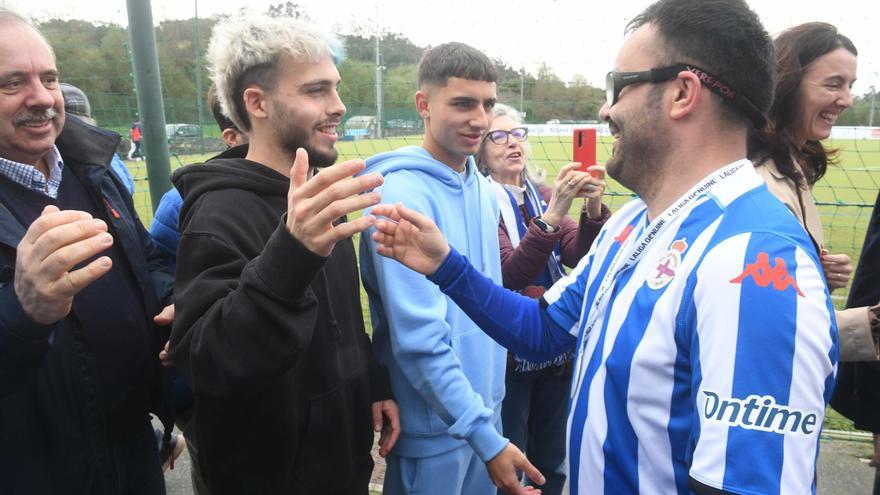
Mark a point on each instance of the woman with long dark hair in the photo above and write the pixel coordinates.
(816, 68)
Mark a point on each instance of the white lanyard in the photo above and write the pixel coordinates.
(621, 261)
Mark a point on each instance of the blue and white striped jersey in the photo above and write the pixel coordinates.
(706, 348)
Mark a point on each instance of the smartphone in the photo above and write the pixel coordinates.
(584, 149)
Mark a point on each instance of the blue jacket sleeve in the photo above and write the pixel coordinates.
(164, 229)
(122, 172)
(516, 322)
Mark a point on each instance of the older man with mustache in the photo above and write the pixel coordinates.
(82, 290)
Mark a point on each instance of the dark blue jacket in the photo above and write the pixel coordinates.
(857, 395)
(53, 428)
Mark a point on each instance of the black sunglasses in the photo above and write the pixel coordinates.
(501, 136)
(616, 81)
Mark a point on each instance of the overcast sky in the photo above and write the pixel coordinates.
(571, 36)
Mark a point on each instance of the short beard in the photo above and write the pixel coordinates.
(298, 139)
(293, 137)
(643, 148)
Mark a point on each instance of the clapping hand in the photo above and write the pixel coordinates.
(45, 278)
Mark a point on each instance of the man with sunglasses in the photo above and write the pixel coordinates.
(447, 376)
(705, 345)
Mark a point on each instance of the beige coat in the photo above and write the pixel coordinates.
(856, 341)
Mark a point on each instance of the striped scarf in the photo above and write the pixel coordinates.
(512, 216)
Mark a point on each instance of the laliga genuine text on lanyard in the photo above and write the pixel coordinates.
(621, 262)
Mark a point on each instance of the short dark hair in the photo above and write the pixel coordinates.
(265, 76)
(222, 120)
(796, 49)
(724, 37)
(455, 59)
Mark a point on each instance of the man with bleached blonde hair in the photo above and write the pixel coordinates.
(270, 333)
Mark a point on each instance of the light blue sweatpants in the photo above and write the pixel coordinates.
(457, 472)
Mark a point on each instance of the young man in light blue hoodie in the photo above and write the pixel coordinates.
(447, 375)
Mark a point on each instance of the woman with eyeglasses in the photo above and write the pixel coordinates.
(816, 68)
(537, 237)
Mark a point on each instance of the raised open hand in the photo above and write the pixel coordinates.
(314, 204)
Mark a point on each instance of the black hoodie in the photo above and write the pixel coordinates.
(270, 336)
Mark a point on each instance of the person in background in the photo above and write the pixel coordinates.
(537, 238)
(164, 228)
(857, 394)
(134, 135)
(816, 68)
(76, 104)
(84, 296)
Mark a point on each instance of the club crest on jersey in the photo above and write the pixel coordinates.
(668, 263)
(763, 274)
(759, 413)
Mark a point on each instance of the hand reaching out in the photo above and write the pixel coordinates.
(409, 237)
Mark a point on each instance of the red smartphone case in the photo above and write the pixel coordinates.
(584, 148)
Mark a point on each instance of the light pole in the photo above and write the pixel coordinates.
(148, 86)
(871, 113)
(379, 92)
(198, 51)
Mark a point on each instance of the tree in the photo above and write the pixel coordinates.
(358, 87)
(396, 49)
(95, 57)
(288, 9)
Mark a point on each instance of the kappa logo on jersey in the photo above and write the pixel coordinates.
(668, 263)
(621, 237)
(759, 413)
(763, 274)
